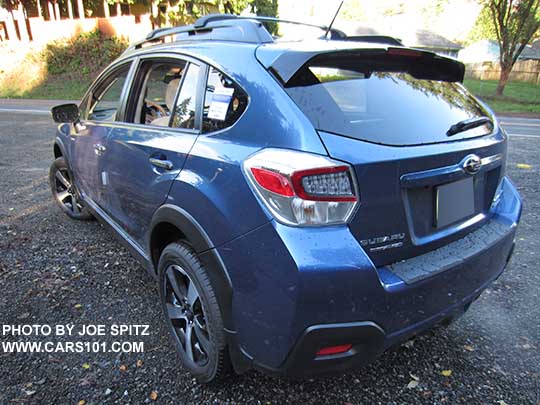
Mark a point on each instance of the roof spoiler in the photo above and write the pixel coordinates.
(419, 64)
(376, 39)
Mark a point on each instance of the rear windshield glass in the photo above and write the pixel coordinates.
(391, 108)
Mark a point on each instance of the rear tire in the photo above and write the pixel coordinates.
(193, 315)
(64, 192)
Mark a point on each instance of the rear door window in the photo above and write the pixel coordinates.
(185, 107)
(156, 87)
(383, 105)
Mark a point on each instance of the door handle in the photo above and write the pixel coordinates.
(162, 163)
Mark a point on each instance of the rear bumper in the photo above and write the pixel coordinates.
(369, 339)
(299, 290)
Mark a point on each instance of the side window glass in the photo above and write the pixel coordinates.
(158, 83)
(224, 102)
(106, 98)
(184, 110)
(84, 107)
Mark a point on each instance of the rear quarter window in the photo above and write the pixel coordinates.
(224, 102)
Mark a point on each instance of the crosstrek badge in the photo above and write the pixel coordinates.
(221, 99)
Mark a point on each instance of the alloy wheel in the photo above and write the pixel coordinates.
(65, 191)
(186, 314)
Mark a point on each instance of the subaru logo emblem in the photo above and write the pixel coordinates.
(471, 164)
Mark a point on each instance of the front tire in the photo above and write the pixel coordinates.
(193, 316)
(64, 191)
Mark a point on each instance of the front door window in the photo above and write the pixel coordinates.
(106, 98)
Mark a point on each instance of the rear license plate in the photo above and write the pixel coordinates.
(453, 202)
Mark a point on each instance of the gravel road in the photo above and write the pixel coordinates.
(57, 271)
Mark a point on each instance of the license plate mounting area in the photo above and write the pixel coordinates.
(453, 202)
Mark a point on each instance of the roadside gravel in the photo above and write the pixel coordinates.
(57, 271)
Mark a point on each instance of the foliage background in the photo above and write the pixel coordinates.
(63, 69)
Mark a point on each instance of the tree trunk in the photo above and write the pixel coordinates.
(118, 9)
(503, 79)
(69, 7)
(106, 12)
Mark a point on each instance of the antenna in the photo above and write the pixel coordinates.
(333, 19)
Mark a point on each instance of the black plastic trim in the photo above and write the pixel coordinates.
(366, 337)
(493, 233)
(185, 222)
(208, 256)
(60, 143)
(120, 234)
(204, 247)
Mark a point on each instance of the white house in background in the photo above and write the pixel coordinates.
(487, 50)
(414, 38)
(430, 41)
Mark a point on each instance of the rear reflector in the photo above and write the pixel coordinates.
(327, 351)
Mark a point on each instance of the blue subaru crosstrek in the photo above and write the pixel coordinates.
(303, 205)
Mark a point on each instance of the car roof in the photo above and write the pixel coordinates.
(243, 35)
(226, 40)
(229, 57)
(265, 52)
(282, 56)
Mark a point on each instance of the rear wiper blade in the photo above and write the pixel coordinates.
(468, 124)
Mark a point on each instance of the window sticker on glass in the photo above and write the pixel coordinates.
(221, 98)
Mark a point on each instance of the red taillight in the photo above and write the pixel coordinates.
(302, 189)
(327, 351)
(273, 181)
(324, 184)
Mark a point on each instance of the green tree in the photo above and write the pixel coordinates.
(235, 6)
(177, 12)
(267, 8)
(483, 27)
(9, 5)
(515, 23)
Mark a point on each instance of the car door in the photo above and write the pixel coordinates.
(146, 154)
(100, 110)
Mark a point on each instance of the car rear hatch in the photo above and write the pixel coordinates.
(427, 155)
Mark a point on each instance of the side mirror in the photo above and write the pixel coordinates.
(65, 113)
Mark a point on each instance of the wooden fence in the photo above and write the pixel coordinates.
(128, 26)
(524, 71)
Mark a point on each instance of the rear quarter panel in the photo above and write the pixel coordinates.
(212, 186)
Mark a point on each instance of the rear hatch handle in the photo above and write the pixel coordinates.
(470, 123)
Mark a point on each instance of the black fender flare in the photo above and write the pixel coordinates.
(184, 221)
(199, 240)
(58, 142)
